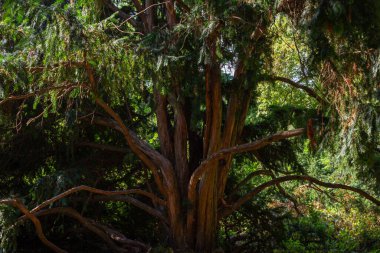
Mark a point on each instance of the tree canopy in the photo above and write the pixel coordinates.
(186, 124)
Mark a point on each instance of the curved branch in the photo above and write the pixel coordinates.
(110, 123)
(96, 191)
(230, 151)
(297, 85)
(150, 157)
(240, 149)
(279, 180)
(37, 224)
(85, 223)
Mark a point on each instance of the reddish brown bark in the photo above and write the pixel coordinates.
(37, 224)
(163, 126)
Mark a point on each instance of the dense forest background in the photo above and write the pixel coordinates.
(189, 126)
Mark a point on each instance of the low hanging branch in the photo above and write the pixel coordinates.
(84, 222)
(106, 234)
(97, 191)
(231, 208)
(37, 224)
(110, 196)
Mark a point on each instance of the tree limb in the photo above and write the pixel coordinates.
(37, 224)
(227, 151)
(150, 157)
(279, 180)
(113, 124)
(85, 223)
(96, 191)
(240, 149)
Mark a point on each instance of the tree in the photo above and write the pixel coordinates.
(193, 67)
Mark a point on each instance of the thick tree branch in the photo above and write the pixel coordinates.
(240, 149)
(180, 138)
(279, 180)
(37, 224)
(113, 125)
(163, 125)
(197, 174)
(170, 14)
(235, 120)
(150, 157)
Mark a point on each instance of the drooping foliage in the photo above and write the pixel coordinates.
(143, 95)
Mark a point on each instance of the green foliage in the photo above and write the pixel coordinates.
(9, 231)
(328, 46)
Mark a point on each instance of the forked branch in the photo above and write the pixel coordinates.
(247, 147)
(197, 174)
